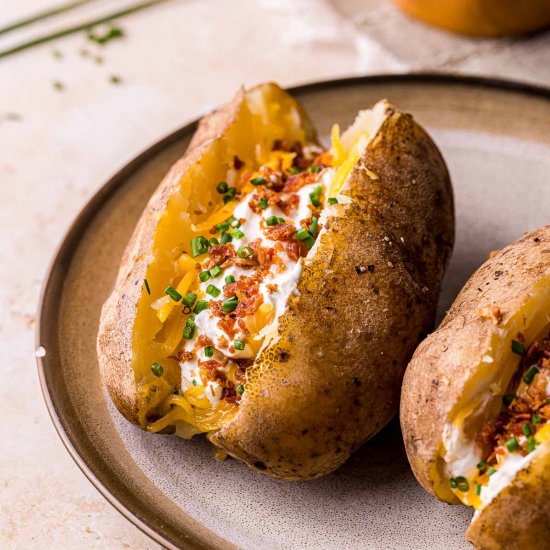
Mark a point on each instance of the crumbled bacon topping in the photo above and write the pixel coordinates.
(222, 255)
(280, 232)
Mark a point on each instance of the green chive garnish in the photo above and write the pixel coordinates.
(213, 291)
(214, 242)
(204, 276)
(531, 373)
(240, 389)
(531, 444)
(146, 283)
(245, 252)
(453, 483)
(226, 238)
(222, 187)
(512, 444)
(189, 329)
(229, 280)
(258, 181)
(201, 305)
(238, 344)
(302, 234)
(194, 382)
(526, 429)
(315, 196)
(189, 299)
(462, 484)
(313, 226)
(199, 245)
(216, 271)
(209, 351)
(157, 369)
(477, 489)
(315, 169)
(237, 233)
(222, 227)
(230, 304)
(535, 419)
(332, 200)
(518, 347)
(295, 170)
(481, 465)
(263, 203)
(173, 293)
(491, 471)
(272, 220)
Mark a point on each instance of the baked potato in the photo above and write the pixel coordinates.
(273, 291)
(475, 404)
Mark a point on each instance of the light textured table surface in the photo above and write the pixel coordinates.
(57, 147)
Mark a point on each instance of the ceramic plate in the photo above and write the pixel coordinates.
(495, 139)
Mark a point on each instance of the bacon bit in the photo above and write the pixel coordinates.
(243, 327)
(492, 313)
(296, 250)
(324, 159)
(227, 324)
(280, 232)
(204, 341)
(198, 267)
(237, 163)
(222, 255)
(185, 355)
(222, 342)
(271, 288)
(289, 204)
(297, 181)
(215, 308)
(210, 368)
(249, 306)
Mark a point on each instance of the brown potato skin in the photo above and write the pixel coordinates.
(114, 342)
(519, 517)
(445, 361)
(333, 378)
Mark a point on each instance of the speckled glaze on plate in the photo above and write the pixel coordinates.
(494, 137)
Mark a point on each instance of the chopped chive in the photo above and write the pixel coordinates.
(512, 444)
(477, 489)
(535, 419)
(237, 233)
(245, 252)
(258, 181)
(332, 200)
(146, 283)
(189, 329)
(313, 226)
(194, 382)
(173, 293)
(227, 198)
(295, 170)
(199, 245)
(315, 196)
(234, 221)
(230, 304)
(263, 203)
(453, 483)
(222, 227)
(201, 305)
(526, 429)
(518, 347)
(491, 471)
(481, 465)
(531, 444)
(302, 234)
(272, 220)
(229, 280)
(222, 187)
(226, 238)
(238, 344)
(216, 271)
(315, 169)
(204, 276)
(280, 220)
(240, 389)
(189, 299)
(462, 484)
(213, 291)
(214, 242)
(531, 373)
(209, 351)
(157, 369)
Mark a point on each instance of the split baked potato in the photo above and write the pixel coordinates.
(475, 406)
(273, 291)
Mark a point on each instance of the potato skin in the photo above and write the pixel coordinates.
(332, 377)
(446, 360)
(519, 516)
(114, 342)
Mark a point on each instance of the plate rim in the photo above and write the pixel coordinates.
(72, 236)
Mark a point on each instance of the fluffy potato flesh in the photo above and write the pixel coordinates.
(488, 366)
(267, 140)
(273, 291)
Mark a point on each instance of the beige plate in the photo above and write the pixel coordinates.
(496, 140)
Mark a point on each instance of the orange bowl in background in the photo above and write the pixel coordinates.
(489, 18)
